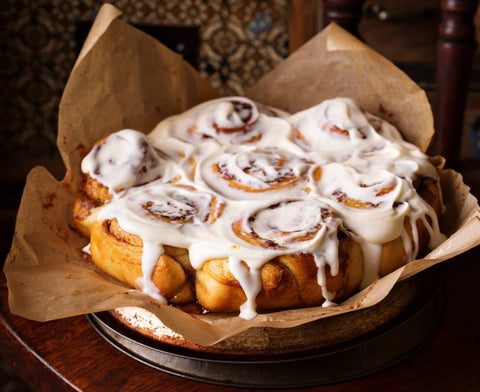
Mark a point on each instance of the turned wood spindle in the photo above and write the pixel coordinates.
(456, 43)
(301, 22)
(346, 13)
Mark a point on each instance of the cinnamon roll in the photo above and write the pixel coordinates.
(334, 125)
(114, 164)
(241, 207)
(233, 120)
(312, 261)
(402, 217)
(146, 262)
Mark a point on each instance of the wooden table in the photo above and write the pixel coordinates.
(68, 355)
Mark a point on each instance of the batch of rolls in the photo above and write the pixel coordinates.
(241, 207)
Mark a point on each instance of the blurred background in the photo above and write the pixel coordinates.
(231, 42)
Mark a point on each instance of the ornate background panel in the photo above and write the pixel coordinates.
(239, 41)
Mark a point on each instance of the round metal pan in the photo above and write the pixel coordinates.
(360, 357)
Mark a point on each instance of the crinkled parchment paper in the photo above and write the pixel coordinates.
(126, 79)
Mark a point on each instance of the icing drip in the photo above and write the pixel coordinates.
(150, 255)
(407, 244)
(250, 282)
(371, 259)
(322, 282)
(230, 180)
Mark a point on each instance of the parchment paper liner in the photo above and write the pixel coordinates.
(124, 78)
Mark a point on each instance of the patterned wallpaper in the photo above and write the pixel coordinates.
(240, 40)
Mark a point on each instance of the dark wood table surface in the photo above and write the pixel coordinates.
(68, 355)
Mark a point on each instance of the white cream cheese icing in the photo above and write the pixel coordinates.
(211, 178)
(123, 160)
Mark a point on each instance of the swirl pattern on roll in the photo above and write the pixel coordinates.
(183, 205)
(291, 224)
(226, 120)
(253, 173)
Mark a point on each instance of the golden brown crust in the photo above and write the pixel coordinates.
(350, 252)
(287, 281)
(429, 191)
(394, 254)
(96, 191)
(92, 195)
(82, 212)
(119, 254)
